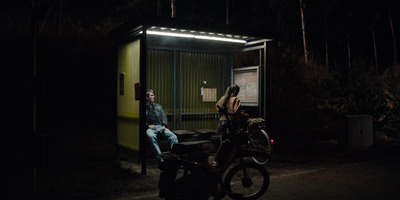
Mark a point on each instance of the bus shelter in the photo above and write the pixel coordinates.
(188, 66)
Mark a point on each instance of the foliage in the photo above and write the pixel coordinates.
(392, 83)
(309, 100)
(298, 91)
(359, 92)
(366, 96)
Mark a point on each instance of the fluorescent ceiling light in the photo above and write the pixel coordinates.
(203, 37)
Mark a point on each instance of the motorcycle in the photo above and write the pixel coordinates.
(187, 172)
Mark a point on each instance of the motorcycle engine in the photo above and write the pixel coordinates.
(196, 187)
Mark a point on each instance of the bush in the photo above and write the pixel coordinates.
(309, 101)
(392, 82)
(298, 92)
(367, 96)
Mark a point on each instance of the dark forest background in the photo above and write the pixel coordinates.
(351, 68)
(57, 53)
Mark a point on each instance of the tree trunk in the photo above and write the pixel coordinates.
(393, 38)
(304, 32)
(348, 50)
(173, 8)
(48, 13)
(227, 12)
(348, 40)
(60, 17)
(326, 41)
(375, 53)
(159, 8)
(34, 33)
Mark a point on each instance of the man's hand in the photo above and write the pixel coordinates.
(152, 127)
(162, 129)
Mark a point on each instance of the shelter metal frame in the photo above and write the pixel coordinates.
(233, 43)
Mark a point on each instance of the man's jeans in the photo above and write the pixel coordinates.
(152, 136)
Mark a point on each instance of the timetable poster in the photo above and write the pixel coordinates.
(247, 79)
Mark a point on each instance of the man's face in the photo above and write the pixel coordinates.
(150, 97)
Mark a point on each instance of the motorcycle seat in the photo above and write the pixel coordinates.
(194, 149)
(255, 120)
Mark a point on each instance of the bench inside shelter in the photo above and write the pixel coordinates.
(188, 136)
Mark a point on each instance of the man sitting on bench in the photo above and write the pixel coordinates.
(156, 122)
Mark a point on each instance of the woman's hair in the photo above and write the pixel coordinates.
(228, 93)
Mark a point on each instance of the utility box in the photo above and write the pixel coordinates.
(356, 132)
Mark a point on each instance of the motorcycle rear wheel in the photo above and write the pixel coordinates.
(262, 142)
(247, 181)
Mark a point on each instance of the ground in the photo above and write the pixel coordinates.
(80, 163)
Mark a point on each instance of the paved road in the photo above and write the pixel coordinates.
(377, 179)
(362, 179)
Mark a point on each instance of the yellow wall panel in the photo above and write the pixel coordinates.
(127, 106)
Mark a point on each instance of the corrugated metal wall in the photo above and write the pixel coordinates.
(160, 77)
(193, 71)
(200, 70)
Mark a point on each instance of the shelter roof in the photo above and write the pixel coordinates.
(181, 34)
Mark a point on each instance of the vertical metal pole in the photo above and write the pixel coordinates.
(229, 72)
(261, 98)
(117, 82)
(268, 91)
(142, 104)
(180, 92)
(224, 68)
(174, 88)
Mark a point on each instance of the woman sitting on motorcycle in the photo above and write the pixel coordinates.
(229, 107)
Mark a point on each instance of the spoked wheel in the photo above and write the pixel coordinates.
(261, 141)
(247, 181)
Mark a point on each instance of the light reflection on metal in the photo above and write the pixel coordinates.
(203, 37)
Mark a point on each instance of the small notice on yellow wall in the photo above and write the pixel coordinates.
(209, 94)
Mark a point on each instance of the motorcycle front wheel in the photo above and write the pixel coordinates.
(247, 181)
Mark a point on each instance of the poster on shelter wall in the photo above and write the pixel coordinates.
(247, 79)
(209, 94)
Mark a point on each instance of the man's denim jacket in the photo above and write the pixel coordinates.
(161, 116)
